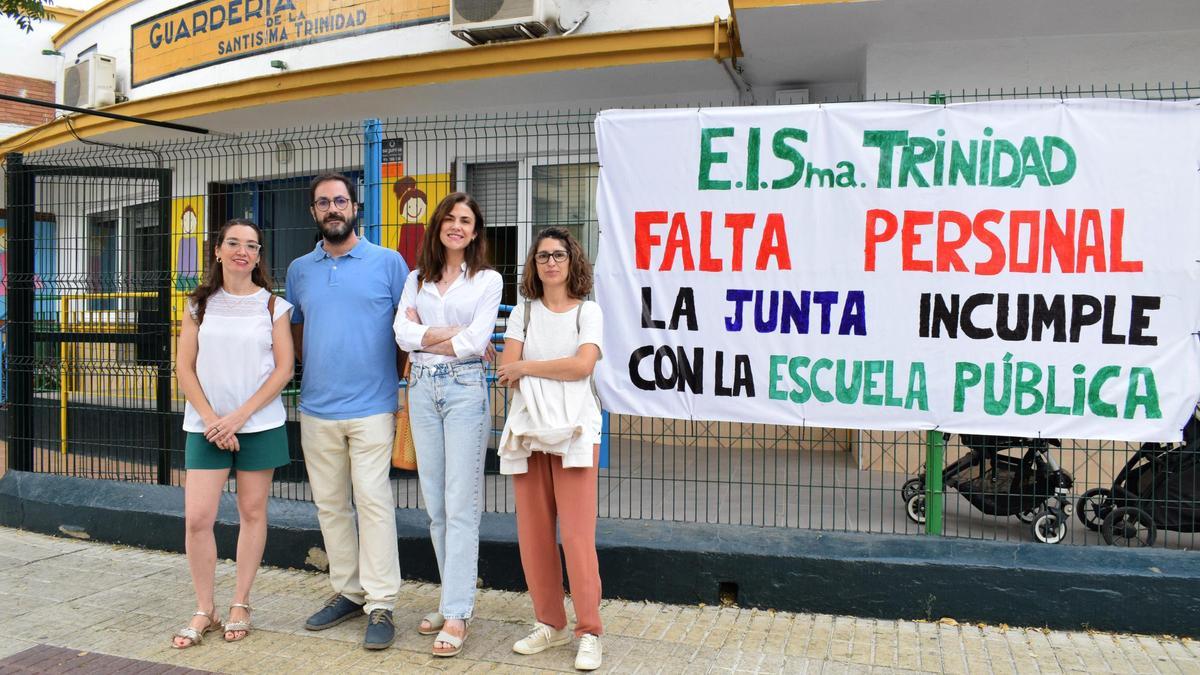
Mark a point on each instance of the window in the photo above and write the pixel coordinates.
(565, 195)
(142, 236)
(495, 187)
(280, 208)
(102, 258)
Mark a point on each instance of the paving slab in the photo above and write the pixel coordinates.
(92, 607)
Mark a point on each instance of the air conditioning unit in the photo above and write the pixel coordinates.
(480, 21)
(91, 83)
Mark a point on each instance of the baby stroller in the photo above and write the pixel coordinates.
(1158, 488)
(1031, 487)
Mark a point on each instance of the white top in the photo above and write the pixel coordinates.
(562, 418)
(234, 358)
(471, 301)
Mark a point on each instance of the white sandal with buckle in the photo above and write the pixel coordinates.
(235, 626)
(196, 636)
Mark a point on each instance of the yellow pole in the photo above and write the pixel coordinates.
(64, 303)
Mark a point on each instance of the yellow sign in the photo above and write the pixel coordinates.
(208, 32)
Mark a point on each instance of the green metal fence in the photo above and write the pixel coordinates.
(105, 241)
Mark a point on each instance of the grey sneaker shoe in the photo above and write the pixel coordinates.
(542, 638)
(590, 653)
(336, 610)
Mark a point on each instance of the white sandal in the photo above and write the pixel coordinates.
(196, 636)
(453, 640)
(235, 626)
(435, 620)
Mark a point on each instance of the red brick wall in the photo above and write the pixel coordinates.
(20, 113)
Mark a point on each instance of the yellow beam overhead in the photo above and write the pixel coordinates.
(759, 4)
(508, 59)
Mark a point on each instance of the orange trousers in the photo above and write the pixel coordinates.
(547, 493)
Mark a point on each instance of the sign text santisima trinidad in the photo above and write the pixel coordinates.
(208, 32)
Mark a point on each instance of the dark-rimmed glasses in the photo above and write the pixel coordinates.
(544, 257)
(323, 203)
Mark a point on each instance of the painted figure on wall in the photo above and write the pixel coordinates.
(414, 205)
(187, 269)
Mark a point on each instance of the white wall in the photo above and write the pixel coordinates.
(112, 36)
(23, 51)
(1136, 58)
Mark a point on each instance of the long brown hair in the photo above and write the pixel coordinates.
(579, 270)
(432, 256)
(214, 275)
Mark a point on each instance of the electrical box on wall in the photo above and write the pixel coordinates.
(91, 83)
(481, 21)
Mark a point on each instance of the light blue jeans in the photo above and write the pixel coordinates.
(451, 417)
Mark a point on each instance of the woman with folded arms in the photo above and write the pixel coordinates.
(446, 317)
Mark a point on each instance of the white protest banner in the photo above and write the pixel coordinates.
(1019, 268)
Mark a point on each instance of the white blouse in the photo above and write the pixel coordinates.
(558, 417)
(471, 301)
(235, 357)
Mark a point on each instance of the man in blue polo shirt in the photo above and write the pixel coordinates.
(345, 294)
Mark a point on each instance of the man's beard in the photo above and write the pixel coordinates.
(335, 229)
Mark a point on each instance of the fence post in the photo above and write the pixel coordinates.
(164, 374)
(935, 450)
(372, 212)
(20, 190)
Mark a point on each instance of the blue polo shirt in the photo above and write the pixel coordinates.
(347, 306)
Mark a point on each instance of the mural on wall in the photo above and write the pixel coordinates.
(407, 202)
(187, 260)
(187, 267)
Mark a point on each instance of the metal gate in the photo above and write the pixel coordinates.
(89, 308)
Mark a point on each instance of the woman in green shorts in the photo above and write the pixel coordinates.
(235, 357)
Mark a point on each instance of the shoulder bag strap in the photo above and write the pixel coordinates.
(525, 330)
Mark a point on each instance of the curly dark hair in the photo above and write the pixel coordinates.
(579, 269)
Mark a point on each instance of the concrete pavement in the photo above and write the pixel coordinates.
(112, 600)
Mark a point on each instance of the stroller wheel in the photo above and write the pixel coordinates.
(1050, 526)
(911, 487)
(1129, 526)
(915, 507)
(1093, 506)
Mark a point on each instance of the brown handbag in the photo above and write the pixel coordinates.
(404, 451)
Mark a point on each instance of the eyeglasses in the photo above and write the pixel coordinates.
(559, 256)
(251, 246)
(323, 203)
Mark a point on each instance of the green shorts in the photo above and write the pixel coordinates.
(258, 451)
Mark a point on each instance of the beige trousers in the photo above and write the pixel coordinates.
(350, 459)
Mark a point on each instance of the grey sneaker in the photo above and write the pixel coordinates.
(542, 638)
(590, 653)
